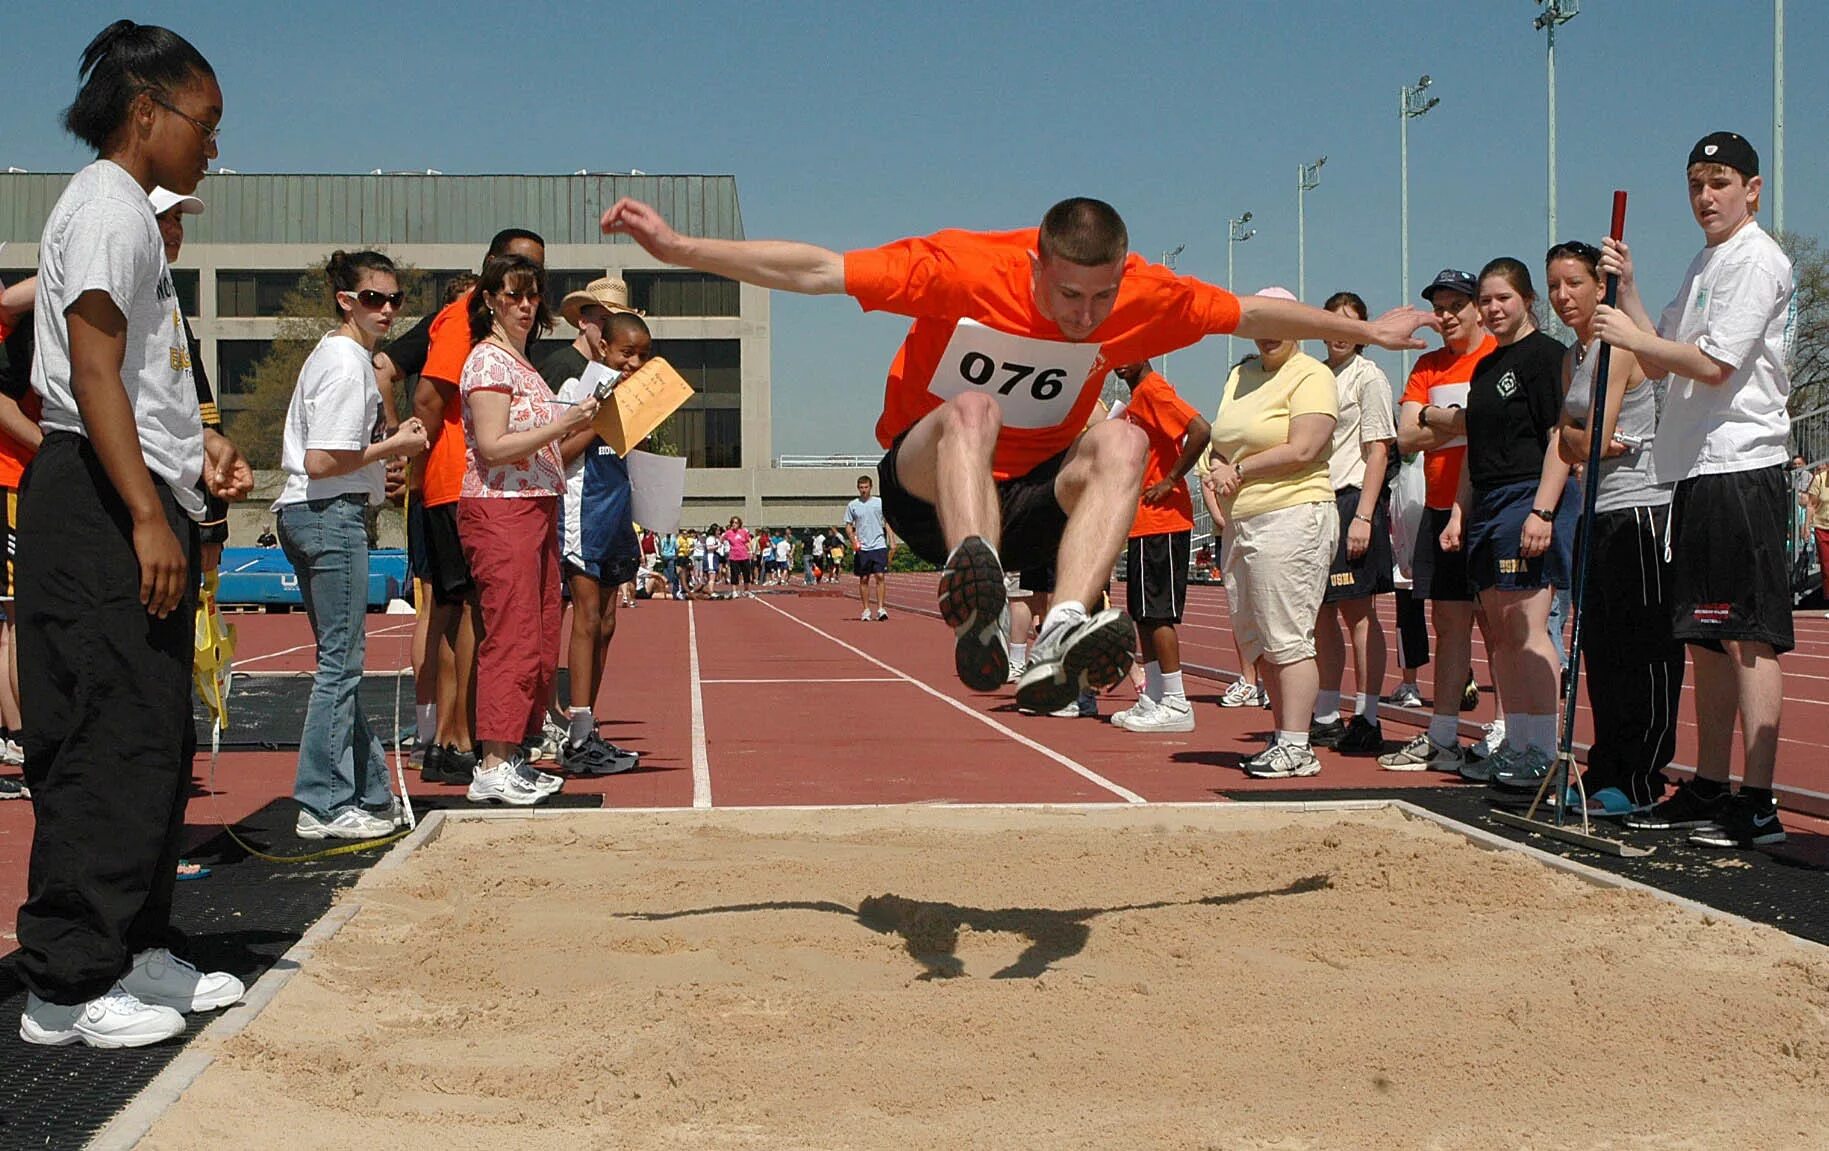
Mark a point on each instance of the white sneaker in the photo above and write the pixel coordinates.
(1423, 754)
(1016, 670)
(865, 618)
(881, 614)
(545, 782)
(113, 1019)
(503, 784)
(1173, 713)
(11, 753)
(1143, 706)
(1238, 694)
(160, 979)
(1263, 696)
(351, 823)
(1076, 656)
(1282, 761)
(1492, 738)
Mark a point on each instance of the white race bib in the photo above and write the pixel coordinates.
(1450, 396)
(1035, 382)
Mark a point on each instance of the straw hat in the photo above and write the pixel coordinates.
(609, 293)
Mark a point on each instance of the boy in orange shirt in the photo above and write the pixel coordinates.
(1013, 334)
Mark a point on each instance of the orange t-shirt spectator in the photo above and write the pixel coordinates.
(1165, 417)
(444, 465)
(977, 327)
(1440, 379)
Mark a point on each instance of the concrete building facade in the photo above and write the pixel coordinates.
(259, 232)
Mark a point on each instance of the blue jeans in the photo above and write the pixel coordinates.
(1559, 614)
(341, 762)
(671, 565)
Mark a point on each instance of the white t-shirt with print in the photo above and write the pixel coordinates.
(336, 407)
(1365, 418)
(1735, 304)
(101, 236)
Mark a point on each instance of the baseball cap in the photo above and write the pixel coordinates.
(1454, 280)
(610, 293)
(164, 201)
(1728, 148)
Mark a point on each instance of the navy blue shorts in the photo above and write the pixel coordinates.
(1490, 541)
(608, 572)
(872, 561)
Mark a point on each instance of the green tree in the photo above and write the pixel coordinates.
(1810, 326)
(259, 427)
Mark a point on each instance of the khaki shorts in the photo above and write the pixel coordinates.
(1276, 573)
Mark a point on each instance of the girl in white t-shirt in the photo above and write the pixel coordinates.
(334, 455)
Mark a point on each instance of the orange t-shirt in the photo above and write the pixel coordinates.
(1164, 416)
(1441, 379)
(444, 362)
(976, 326)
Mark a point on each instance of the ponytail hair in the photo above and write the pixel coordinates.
(344, 272)
(124, 60)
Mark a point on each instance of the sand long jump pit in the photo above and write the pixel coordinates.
(1202, 977)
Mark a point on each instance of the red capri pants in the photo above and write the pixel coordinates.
(512, 545)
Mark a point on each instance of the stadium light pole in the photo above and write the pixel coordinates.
(1236, 234)
(1308, 178)
(1554, 12)
(1168, 261)
(1410, 104)
(1778, 115)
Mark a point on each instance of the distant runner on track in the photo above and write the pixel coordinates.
(1013, 335)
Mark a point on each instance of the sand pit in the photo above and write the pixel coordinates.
(896, 979)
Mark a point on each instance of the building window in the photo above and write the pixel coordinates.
(429, 296)
(235, 360)
(682, 293)
(562, 283)
(185, 280)
(245, 294)
(709, 437)
(713, 367)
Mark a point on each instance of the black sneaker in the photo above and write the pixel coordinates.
(973, 604)
(1363, 737)
(594, 757)
(12, 787)
(432, 767)
(1470, 695)
(1742, 823)
(1325, 734)
(454, 766)
(1684, 808)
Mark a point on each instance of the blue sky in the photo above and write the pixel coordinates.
(852, 124)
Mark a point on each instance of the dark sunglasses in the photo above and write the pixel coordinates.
(373, 299)
(1576, 248)
(519, 294)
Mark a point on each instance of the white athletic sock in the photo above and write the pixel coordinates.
(1065, 612)
(1171, 687)
(1019, 652)
(1327, 707)
(1542, 733)
(425, 722)
(1152, 680)
(1368, 706)
(1517, 730)
(1292, 738)
(583, 724)
(1444, 730)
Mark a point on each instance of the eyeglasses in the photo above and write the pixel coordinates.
(373, 299)
(1576, 248)
(210, 131)
(516, 295)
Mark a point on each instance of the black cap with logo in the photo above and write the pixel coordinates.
(1454, 280)
(1728, 148)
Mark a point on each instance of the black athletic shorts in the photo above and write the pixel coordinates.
(870, 561)
(445, 567)
(1434, 573)
(1156, 576)
(1370, 574)
(1032, 518)
(1037, 580)
(1728, 572)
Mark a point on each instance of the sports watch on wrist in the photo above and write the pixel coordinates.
(1547, 515)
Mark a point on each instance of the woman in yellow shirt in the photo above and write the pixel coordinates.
(1267, 482)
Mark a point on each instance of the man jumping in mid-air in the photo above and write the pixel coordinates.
(987, 466)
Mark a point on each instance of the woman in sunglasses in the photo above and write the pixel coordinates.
(1635, 667)
(335, 457)
(507, 518)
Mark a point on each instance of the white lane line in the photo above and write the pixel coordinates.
(701, 761)
(312, 646)
(845, 679)
(1079, 769)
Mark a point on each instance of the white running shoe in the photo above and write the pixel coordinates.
(11, 753)
(1016, 670)
(111, 1020)
(1282, 761)
(1143, 706)
(160, 979)
(1076, 656)
(1406, 695)
(1423, 754)
(1492, 738)
(1238, 694)
(351, 823)
(1173, 713)
(503, 783)
(545, 782)
(865, 617)
(881, 614)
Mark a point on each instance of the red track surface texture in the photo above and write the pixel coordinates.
(791, 699)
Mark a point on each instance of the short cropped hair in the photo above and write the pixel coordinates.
(1084, 231)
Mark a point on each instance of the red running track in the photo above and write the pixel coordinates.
(790, 699)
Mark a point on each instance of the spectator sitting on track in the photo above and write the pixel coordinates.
(334, 455)
(508, 522)
(1269, 484)
(597, 543)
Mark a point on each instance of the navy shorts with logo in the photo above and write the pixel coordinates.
(1491, 543)
(1370, 574)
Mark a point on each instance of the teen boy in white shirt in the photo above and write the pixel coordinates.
(1722, 440)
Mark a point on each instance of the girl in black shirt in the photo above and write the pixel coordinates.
(1514, 518)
